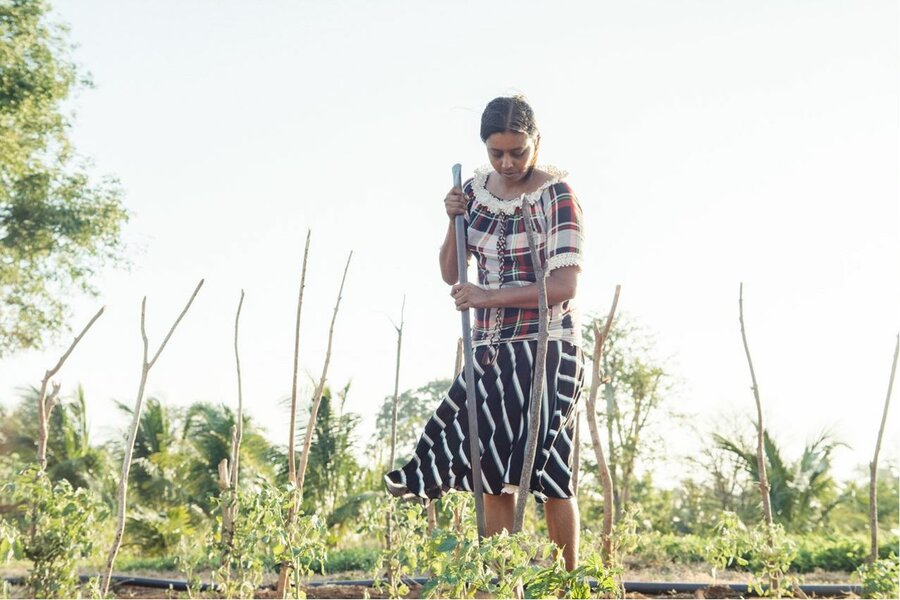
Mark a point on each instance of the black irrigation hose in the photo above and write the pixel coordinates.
(643, 587)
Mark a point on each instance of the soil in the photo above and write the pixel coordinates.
(669, 573)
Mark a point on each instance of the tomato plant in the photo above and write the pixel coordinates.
(57, 530)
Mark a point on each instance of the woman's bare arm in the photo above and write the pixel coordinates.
(562, 284)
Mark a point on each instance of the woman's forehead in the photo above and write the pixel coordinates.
(507, 140)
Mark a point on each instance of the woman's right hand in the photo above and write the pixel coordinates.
(455, 203)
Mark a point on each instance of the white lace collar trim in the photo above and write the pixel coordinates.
(508, 207)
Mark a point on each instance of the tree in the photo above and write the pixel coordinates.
(630, 402)
(414, 408)
(57, 226)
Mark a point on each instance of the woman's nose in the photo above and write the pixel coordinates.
(506, 162)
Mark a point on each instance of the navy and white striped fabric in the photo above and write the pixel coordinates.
(503, 391)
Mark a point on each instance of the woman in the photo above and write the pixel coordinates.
(494, 204)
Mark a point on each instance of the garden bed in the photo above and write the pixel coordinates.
(322, 588)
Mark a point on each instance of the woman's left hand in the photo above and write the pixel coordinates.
(468, 295)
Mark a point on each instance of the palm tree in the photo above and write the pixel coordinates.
(208, 429)
(70, 455)
(802, 493)
(332, 469)
(160, 459)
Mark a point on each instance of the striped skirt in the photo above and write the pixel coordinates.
(503, 391)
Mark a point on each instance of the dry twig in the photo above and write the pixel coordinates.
(135, 421)
(389, 516)
(596, 381)
(47, 402)
(873, 466)
(228, 481)
(283, 582)
(292, 474)
(760, 437)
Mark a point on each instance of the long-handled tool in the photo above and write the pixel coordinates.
(471, 406)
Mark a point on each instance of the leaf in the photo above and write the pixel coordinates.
(448, 544)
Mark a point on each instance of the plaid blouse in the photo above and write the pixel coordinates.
(495, 234)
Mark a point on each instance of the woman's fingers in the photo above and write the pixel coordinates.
(455, 203)
(465, 295)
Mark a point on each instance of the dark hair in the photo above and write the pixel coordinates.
(511, 113)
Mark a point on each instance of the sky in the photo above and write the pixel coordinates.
(709, 143)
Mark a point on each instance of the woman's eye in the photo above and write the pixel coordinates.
(519, 153)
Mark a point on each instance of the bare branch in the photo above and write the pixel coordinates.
(388, 532)
(239, 422)
(283, 584)
(760, 436)
(317, 398)
(873, 466)
(74, 343)
(292, 474)
(46, 403)
(603, 468)
(135, 422)
(175, 324)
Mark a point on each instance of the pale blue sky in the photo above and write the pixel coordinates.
(709, 143)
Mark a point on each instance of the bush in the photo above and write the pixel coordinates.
(349, 559)
(879, 579)
(59, 529)
(832, 553)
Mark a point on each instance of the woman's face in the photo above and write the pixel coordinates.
(512, 154)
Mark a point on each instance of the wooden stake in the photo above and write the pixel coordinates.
(292, 476)
(399, 329)
(760, 438)
(873, 466)
(228, 481)
(135, 421)
(605, 478)
(47, 402)
(537, 381)
(282, 586)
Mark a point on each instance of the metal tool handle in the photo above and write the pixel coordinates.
(474, 447)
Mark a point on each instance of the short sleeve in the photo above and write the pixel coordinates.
(565, 231)
(469, 194)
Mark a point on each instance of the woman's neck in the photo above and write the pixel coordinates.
(531, 182)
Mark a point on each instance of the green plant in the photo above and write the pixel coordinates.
(57, 530)
(625, 535)
(550, 581)
(186, 561)
(499, 565)
(403, 556)
(9, 544)
(879, 579)
(728, 545)
(766, 550)
(772, 551)
(262, 541)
